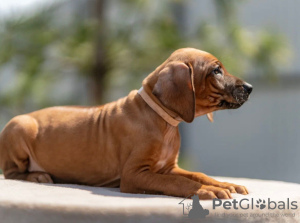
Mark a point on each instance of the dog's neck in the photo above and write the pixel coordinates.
(161, 110)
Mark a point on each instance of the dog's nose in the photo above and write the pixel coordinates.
(248, 87)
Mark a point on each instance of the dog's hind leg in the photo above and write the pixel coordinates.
(15, 140)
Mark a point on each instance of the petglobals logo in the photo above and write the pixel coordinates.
(246, 204)
(191, 207)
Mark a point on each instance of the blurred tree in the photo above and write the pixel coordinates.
(114, 44)
(241, 50)
(100, 62)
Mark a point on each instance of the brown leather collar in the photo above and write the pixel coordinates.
(160, 111)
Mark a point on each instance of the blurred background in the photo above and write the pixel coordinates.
(89, 52)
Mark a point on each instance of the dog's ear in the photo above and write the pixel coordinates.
(175, 89)
(210, 116)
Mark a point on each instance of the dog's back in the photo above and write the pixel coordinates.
(74, 144)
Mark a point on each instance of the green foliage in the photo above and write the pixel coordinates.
(257, 52)
(39, 50)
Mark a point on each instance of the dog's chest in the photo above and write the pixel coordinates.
(169, 149)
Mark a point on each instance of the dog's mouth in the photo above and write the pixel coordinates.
(238, 99)
(234, 97)
(229, 105)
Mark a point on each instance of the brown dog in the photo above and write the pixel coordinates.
(132, 143)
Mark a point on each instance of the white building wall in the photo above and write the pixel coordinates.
(259, 140)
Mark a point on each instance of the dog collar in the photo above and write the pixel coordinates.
(159, 110)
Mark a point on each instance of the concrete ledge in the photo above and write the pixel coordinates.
(25, 202)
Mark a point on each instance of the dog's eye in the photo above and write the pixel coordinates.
(217, 71)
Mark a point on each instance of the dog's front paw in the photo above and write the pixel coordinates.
(221, 193)
(233, 188)
(39, 177)
(205, 194)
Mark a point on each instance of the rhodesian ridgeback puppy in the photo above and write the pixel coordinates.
(132, 143)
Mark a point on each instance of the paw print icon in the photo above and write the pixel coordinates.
(261, 204)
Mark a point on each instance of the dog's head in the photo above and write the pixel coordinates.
(192, 83)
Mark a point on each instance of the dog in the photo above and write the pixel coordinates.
(132, 143)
